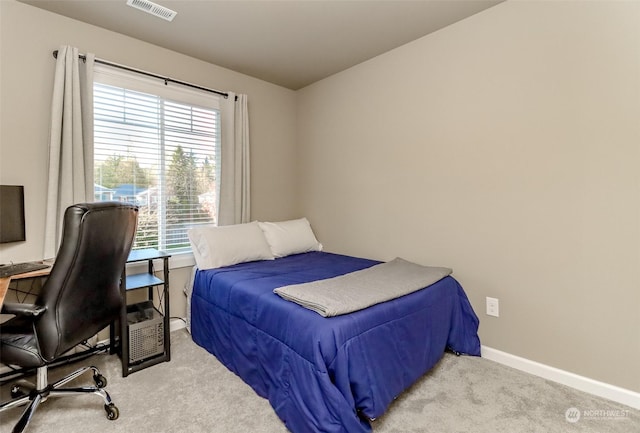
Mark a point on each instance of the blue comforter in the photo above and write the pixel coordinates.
(325, 374)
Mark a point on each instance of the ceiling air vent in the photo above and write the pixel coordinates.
(153, 9)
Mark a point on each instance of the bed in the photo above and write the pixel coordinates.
(324, 374)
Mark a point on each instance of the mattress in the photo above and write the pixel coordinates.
(325, 374)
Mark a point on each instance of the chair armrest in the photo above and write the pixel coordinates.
(20, 309)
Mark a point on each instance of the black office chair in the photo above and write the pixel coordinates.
(80, 297)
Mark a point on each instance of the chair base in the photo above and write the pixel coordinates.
(42, 391)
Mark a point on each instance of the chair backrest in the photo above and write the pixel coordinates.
(82, 294)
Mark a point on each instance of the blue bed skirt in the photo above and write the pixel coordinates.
(325, 374)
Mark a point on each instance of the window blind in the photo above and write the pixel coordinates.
(160, 149)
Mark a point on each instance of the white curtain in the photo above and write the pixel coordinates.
(234, 184)
(70, 142)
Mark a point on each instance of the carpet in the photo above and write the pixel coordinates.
(194, 393)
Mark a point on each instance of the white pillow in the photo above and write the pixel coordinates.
(290, 237)
(217, 246)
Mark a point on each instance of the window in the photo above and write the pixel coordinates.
(158, 147)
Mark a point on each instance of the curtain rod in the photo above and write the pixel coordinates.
(149, 74)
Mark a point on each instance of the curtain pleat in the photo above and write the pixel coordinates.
(70, 172)
(234, 195)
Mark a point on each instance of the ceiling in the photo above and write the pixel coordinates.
(290, 43)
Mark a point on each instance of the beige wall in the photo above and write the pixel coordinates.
(27, 38)
(506, 146)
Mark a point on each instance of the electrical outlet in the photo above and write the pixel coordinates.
(493, 307)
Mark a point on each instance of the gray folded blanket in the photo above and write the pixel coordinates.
(362, 289)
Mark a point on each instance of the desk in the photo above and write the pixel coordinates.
(4, 282)
(146, 354)
(4, 286)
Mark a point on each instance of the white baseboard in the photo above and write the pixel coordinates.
(177, 323)
(581, 383)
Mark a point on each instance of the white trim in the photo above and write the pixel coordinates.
(581, 383)
(182, 260)
(111, 76)
(179, 260)
(177, 323)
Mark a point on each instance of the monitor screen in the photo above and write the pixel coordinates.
(12, 227)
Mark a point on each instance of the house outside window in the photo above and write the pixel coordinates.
(158, 147)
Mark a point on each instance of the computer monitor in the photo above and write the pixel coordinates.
(12, 226)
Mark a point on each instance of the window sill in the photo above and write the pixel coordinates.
(182, 260)
(179, 260)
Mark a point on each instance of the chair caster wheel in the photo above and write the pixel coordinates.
(112, 411)
(17, 391)
(21, 388)
(100, 381)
